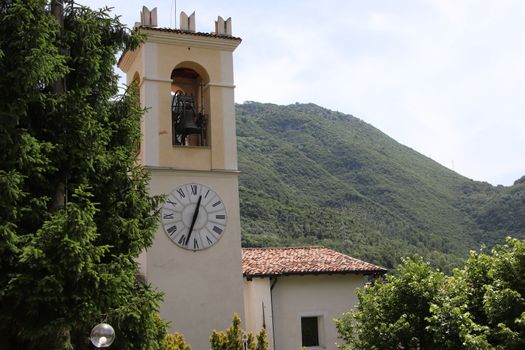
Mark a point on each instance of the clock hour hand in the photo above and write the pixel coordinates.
(195, 214)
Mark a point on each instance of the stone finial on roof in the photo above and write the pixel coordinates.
(187, 23)
(147, 18)
(223, 27)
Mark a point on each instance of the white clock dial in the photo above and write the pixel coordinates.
(194, 216)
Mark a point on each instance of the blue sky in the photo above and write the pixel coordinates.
(444, 77)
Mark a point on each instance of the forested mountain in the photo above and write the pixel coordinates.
(314, 176)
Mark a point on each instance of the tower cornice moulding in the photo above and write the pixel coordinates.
(179, 38)
(127, 58)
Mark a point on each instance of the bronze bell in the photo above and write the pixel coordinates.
(186, 121)
(187, 124)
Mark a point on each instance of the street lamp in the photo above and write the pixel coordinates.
(244, 341)
(102, 335)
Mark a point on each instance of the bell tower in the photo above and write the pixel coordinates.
(189, 145)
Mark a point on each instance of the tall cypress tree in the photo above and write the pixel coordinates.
(74, 206)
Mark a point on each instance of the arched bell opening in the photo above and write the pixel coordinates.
(188, 105)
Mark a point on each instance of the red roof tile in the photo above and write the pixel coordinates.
(301, 260)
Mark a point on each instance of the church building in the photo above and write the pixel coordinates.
(297, 292)
(185, 81)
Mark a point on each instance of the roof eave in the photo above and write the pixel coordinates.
(352, 272)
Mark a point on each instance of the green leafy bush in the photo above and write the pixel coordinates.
(481, 306)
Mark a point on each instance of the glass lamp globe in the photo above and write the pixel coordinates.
(102, 335)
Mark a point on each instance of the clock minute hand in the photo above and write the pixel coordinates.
(195, 214)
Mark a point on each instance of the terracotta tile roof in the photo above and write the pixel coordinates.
(258, 262)
(178, 31)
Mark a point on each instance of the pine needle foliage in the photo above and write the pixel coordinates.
(74, 206)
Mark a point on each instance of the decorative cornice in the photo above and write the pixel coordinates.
(222, 85)
(172, 169)
(190, 39)
(127, 58)
(180, 38)
(168, 81)
(158, 80)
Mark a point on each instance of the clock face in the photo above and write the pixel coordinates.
(194, 216)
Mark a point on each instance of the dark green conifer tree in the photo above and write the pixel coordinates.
(74, 206)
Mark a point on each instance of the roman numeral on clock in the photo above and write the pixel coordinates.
(193, 216)
(172, 229)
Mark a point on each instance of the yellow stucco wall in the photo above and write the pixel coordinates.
(212, 58)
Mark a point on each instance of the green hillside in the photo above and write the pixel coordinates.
(314, 176)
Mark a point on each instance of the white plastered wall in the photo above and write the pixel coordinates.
(327, 296)
(258, 306)
(202, 289)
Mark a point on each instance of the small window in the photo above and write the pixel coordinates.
(310, 331)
